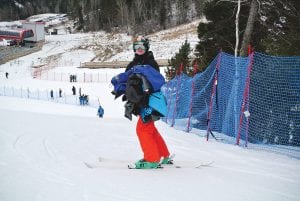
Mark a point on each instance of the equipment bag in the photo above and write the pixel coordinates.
(158, 102)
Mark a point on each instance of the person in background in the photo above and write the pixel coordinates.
(85, 99)
(81, 99)
(100, 111)
(74, 90)
(51, 94)
(60, 92)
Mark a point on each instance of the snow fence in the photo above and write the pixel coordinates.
(250, 101)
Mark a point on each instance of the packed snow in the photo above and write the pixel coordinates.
(58, 152)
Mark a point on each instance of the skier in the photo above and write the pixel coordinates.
(100, 111)
(152, 143)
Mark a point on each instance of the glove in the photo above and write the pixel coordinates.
(146, 114)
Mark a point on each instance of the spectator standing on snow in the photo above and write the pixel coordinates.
(85, 99)
(100, 111)
(81, 99)
(60, 92)
(51, 94)
(74, 90)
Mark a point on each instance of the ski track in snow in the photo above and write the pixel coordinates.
(19, 146)
(48, 149)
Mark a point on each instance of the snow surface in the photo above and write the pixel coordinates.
(45, 147)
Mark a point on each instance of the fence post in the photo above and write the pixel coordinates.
(191, 98)
(214, 87)
(245, 103)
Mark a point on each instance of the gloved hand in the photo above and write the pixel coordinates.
(116, 94)
(146, 114)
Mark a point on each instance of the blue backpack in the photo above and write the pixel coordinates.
(157, 102)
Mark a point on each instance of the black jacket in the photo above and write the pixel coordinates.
(144, 59)
(135, 96)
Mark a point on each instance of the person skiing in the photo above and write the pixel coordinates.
(100, 111)
(153, 145)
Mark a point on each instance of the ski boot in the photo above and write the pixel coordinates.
(142, 164)
(168, 160)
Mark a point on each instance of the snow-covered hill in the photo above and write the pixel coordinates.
(45, 146)
(109, 46)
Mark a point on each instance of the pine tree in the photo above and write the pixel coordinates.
(217, 33)
(180, 58)
(272, 29)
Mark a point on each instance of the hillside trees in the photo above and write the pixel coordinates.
(133, 16)
(249, 28)
(282, 18)
(182, 58)
(270, 26)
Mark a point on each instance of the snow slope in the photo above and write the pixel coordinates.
(45, 148)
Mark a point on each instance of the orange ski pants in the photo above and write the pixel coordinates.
(152, 144)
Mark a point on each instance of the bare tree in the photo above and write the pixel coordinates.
(122, 10)
(249, 28)
(139, 6)
(237, 29)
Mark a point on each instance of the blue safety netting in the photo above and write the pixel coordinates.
(271, 113)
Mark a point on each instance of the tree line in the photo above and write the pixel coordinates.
(267, 26)
(132, 16)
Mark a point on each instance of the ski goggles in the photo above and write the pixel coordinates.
(139, 45)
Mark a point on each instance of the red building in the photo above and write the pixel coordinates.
(16, 34)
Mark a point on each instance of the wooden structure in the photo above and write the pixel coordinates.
(116, 64)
